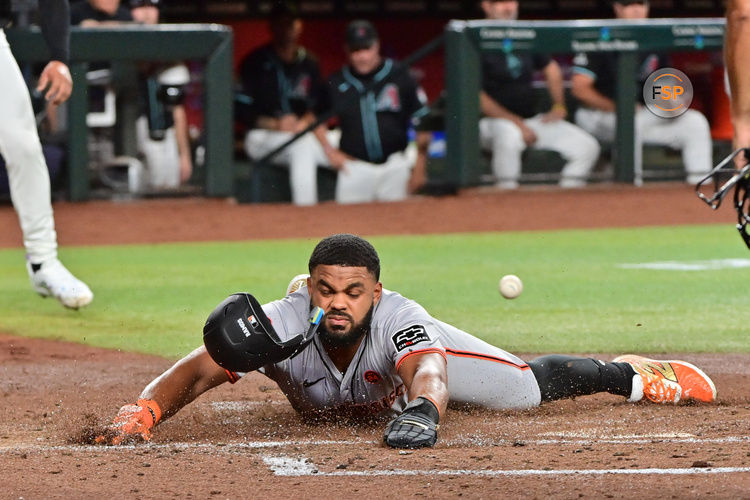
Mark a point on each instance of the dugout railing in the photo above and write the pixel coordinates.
(209, 43)
(466, 40)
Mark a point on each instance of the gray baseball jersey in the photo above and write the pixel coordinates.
(478, 372)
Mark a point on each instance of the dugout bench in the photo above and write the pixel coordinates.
(465, 40)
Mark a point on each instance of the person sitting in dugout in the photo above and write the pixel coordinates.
(339, 345)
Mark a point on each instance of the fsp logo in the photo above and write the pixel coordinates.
(667, 92)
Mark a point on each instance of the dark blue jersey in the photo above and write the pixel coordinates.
(375, 124)
(277, 88)
(602, 67)
(507, 77)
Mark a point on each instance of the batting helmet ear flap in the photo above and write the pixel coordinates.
(240, 337)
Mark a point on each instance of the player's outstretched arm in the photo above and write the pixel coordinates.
(164, 396)
(425, 377)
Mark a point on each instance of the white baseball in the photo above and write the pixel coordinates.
(510, 286)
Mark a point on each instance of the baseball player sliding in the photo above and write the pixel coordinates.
(345, 346)
(27, 169)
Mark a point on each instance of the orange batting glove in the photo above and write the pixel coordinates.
(133, 421)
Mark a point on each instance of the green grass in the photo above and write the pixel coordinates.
(155, 298)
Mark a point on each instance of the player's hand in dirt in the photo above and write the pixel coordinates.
(416, 427)
(133, 423)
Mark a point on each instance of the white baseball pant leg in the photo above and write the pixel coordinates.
(355, 183)
(302, 157)
(483, 374)
(689, 132)
(394, 177)
(579, 149)
(162, 157)
(364, 182)
(603, 125)
(27, 170)
(504, 140)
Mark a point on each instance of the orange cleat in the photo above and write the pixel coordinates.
(669, 381)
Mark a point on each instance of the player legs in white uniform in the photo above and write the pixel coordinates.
(364, 182)
(482, 374)
(504, 139)
(302, 157)
(30, 187)
(161, 156)
(689, 132)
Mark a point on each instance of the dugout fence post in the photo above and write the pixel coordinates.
(218, 116)
(462, 73)
(625, 128)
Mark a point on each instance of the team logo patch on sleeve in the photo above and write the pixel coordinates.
(410, 336)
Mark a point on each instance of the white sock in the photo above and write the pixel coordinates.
(637, 393)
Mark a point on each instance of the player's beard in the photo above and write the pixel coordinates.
(337, 338)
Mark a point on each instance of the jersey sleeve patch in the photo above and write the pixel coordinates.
(409, 336)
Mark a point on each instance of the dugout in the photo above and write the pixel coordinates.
(244, 28)
(465, 40)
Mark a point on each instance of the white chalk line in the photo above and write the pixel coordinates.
(656, 438)
(243, 406)
(462, 442)
(245, 445)
(639, 441)
(594, 434)
(696, 265)
(289, 466)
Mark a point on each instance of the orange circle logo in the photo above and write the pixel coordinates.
(667, 92)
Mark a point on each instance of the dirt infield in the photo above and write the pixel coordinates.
(245, 440)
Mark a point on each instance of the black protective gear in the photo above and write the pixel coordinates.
(239, 336)
(416, 427)
(560, 376)
(716, 185)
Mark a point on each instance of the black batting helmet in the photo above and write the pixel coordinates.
(239, 336)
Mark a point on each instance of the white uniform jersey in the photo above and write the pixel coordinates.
(478, 372)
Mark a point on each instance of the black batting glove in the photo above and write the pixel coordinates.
(416, 427)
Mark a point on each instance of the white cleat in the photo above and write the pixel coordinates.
(53, 279)
(297, 282)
